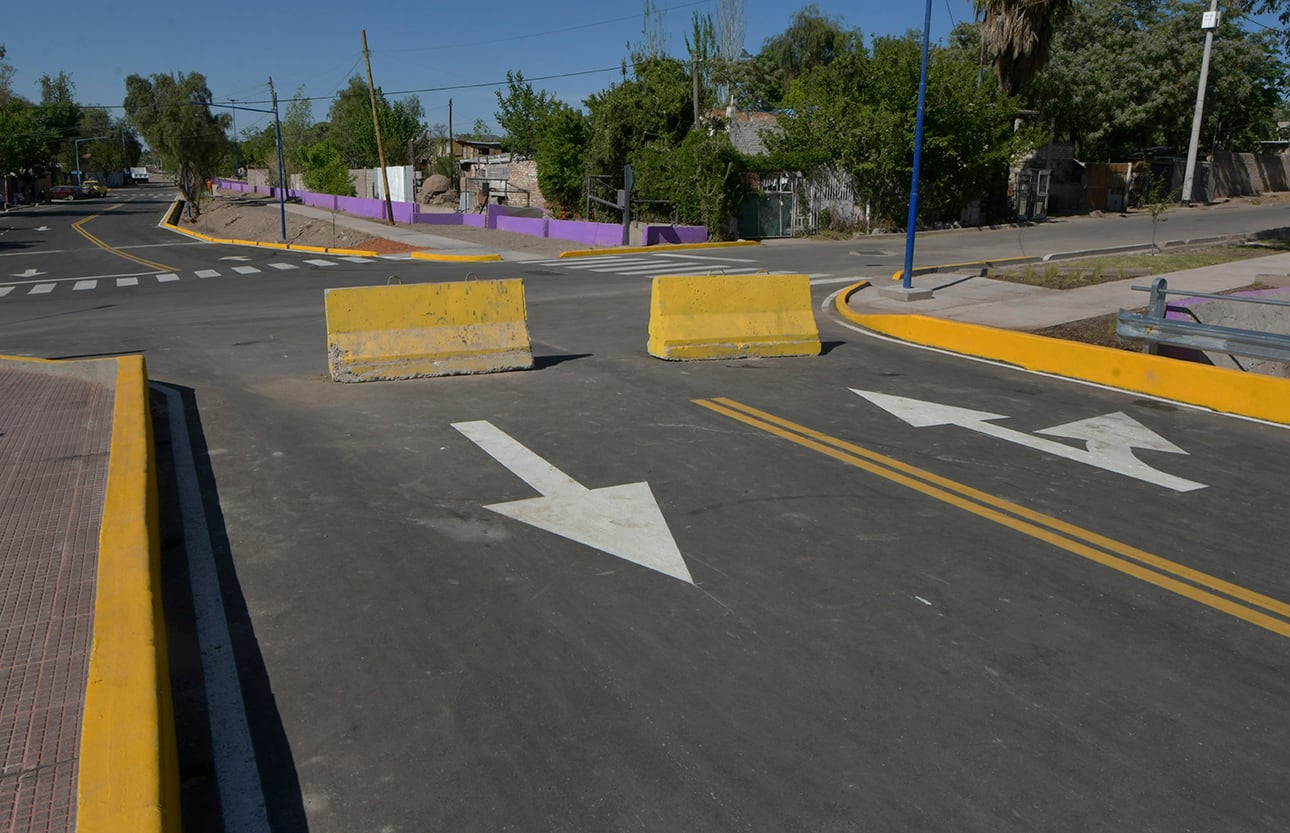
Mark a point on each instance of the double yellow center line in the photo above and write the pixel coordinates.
(79, 226)
(1232, 599)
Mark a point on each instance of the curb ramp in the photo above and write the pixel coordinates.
(386, 333)
(732, 316)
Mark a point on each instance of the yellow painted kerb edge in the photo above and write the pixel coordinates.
(1227, 391)
(171, 222)
(128, 771)
(449, 258)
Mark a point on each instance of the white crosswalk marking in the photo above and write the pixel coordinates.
(42, 289)
(167, 278)
(5, 290)
(320, 262)
(127, 281)
(207, 273)
(284, 266)
(356, 259)
(80, 285)
(246, 270)
(708, 257)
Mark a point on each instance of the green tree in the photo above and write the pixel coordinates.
(172, 113)
(520, 111)
(1123, 77)
(6, 78)
(119, 148)
(24, 139)
(325, 171)
(1018, 35)
(561, 149)
(653, 107)
(857, 113)
(61, 115)
(812, 39)
(353, 134)
(701, 178)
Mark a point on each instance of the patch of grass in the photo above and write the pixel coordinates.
(1070, 274)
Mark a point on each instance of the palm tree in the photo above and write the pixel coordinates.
(1018, 33)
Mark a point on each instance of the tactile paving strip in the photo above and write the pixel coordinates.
(55, 433)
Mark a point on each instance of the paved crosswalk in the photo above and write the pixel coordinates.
(649, 265)
(86, 284)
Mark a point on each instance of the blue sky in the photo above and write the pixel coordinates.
(425, 47)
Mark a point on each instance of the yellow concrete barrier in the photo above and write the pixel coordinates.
(732, 316)
(432, 329)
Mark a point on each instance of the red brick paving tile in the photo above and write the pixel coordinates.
(55, 434)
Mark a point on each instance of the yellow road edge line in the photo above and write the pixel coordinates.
(128, 776)
(447, 258)
(79, 229)
(1227, 391)
(1120, 548)
(664, 247)
(915, 480)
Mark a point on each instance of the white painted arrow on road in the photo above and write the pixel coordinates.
(1109, 439)
(41, 228)
(30, 273)
(624, 521)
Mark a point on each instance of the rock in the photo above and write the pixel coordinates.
(434, 185)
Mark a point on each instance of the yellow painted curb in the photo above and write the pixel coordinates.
(1227, 391)
(731, 316)
(663, 247)
(128, 770)
(446, 258)
(428, 329)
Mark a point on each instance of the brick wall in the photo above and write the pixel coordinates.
(1248, 174)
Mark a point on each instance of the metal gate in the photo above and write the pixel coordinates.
(766, 210)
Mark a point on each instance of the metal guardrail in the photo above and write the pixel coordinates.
(1155, 329)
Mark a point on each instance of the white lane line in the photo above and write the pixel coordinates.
(825, 280)
(167, 278)
(127, 281)
(82, 285)
(241, 792)
(246, 270)
(320, 263)
(357, 259)
(284, 266)
(42, 289)
(5, 290)
(207, 273)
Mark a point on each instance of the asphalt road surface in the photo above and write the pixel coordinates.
(834, 620)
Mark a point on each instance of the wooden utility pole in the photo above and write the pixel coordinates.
(694, 77)
(376, 125)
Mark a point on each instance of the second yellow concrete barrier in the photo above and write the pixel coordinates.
(732, 316)
(434, 329)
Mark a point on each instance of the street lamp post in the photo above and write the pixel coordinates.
(76, 154)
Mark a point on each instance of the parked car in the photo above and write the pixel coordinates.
(97, 187)
(62, 192)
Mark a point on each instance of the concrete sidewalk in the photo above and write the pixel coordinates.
(1013, 306)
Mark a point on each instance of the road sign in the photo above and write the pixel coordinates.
(623, 521)
(1109, 440)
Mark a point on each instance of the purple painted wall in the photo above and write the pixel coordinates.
(532, 226)
(655, 235)
(496, 217)
(591, 234)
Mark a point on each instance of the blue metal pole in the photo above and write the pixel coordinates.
(908, 281)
